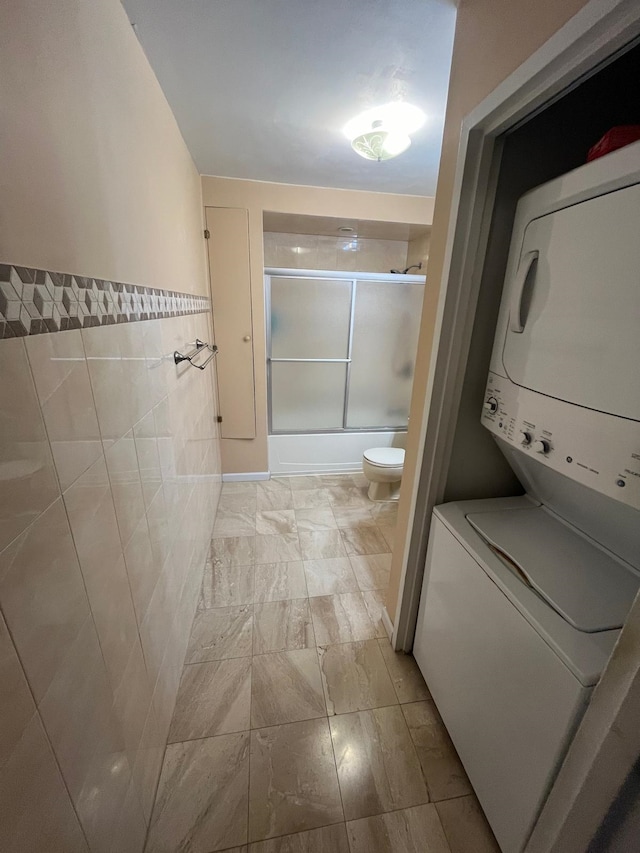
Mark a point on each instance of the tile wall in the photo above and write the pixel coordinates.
(109, 481)
(305, 251)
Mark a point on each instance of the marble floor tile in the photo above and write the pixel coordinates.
(201, 804)
(280, 625)
(355, 677)
(321, 544)
(276, 521)
(320, 518)
(234, 522)
(226, 586)
(405, 675)
(277, 548)
(371, 570)
(385, 512)
(233, 551)
(273, 500)
(237, 503)
(306, 482)
(279, 581)
(214, 698)
(329, 577)
(363, 540)
(353, 516)
(414, 830)
(466, 827)
(293, 785)
(221, 633)
(341, 618)
(389, 534)
(378, 769)
(349, 495)
(286, 687)
(274, 484)
(310, 498)
(374, 602)
(358, 479)
(347, 479)
(442, 769)
(245, 489)
(328, 839)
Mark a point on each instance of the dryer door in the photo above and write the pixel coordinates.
(574, 321)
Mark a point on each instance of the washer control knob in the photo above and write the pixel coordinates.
(541, 446)
(491, 405)
(527, 438)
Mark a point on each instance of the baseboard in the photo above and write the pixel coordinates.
(247, 477)
(387, 623)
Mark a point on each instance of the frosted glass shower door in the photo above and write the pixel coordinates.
(310, 337)
(341, 351)
(385, 340)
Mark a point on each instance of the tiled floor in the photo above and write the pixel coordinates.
(297, 729)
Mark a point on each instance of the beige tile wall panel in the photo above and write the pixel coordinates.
(109, 453)
(99, 589)
(228, 246)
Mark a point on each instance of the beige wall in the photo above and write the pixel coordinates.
(109, 455)
(95, 178)
(257, 196)
(418, 252)
(493, 37)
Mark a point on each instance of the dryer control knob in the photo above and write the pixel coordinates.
(542, 446)
(527, 438)
(491, 405)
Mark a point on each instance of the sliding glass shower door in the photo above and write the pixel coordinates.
(341, 351)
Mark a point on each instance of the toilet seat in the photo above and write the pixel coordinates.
(385, 457)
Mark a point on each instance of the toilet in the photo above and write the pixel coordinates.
(382, 466)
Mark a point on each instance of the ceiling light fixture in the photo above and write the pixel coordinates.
(383, 132)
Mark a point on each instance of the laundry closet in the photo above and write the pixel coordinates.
(533, 557)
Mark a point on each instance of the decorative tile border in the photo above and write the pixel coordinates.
(36, 301)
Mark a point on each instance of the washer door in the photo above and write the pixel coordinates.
(575, 305)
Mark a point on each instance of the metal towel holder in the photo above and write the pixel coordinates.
(199, 347)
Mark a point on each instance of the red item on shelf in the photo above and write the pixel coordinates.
(617, 137)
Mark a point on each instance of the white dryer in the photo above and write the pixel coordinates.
(523, 598)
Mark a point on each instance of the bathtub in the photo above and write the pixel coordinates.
(326, 453)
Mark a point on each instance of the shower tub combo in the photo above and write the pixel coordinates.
(341, 355)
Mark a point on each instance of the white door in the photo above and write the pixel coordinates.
(574, 325)
(228, 246)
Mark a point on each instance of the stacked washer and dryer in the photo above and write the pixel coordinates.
(524, 597)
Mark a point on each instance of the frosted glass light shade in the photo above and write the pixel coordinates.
(380, 144)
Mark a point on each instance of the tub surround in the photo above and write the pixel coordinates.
(110, 468)
(109, 452)
(326, 453)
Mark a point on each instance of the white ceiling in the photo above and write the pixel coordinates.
(262, 88)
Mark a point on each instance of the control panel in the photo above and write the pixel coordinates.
(596, 449)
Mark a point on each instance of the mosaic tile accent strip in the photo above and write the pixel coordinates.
(34, 301)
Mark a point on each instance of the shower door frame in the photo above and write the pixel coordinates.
(353, 278)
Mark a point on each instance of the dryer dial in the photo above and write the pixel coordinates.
(541, 446)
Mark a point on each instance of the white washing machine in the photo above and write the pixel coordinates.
(523, 598)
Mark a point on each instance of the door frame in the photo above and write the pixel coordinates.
(578, 803)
